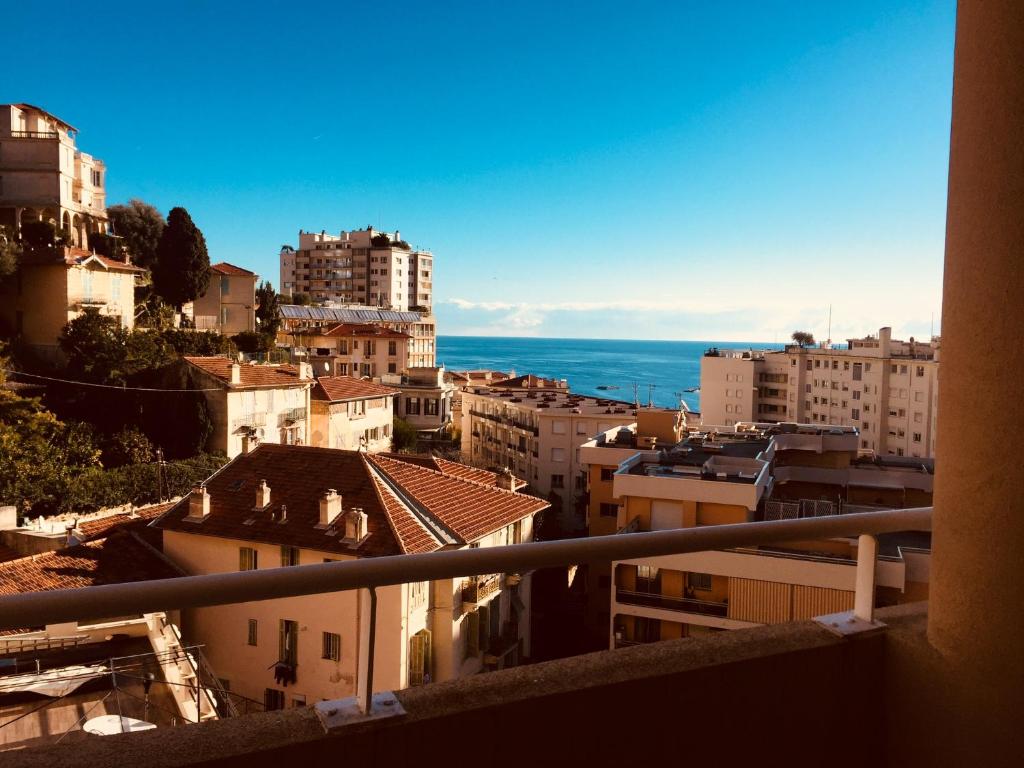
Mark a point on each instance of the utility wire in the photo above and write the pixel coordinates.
(107, 386)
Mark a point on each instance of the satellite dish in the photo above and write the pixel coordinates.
(107, 725)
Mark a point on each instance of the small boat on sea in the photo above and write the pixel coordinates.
(607, 387)
(692, 389)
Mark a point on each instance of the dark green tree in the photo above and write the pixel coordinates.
(10, 250)
(803, 338)
(268, 305)
(182, 269)
(403, 435)
(139, 225)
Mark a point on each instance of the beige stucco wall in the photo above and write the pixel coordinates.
(228, 304)
(334, 427)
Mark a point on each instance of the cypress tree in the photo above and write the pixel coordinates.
(182, 269)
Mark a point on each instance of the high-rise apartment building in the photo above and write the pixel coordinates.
(44, 176)
(887, 389)
(363, 266)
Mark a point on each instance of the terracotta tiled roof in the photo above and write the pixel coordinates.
(298, 476)
(467, 508)
(452, 468)
(223, 268)
(529, 381)
(335, 388)
(475, 474)
(362, 329)
(95, 529)
(250, 375)
(112, 263)
(116, 559)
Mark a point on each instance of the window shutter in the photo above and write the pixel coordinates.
(416, 643)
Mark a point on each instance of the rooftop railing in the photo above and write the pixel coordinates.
(33, 134)
(62, 606)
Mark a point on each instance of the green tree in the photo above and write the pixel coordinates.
(403, 435)
(182, 269)
(803, 338)
(39, 455)
(301, 299)
(96, 348)
(140, 226)
(129, 446)
(268, 305)
(10, 250)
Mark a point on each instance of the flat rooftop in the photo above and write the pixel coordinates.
(560, 401)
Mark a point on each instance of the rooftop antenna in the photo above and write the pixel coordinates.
(650, 395)
(829, 339)
(636, 395)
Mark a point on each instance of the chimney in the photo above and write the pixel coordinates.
(262, 495)
(199, 502)
(330, 507)
(506, 480)
(283, 516)
(236, 373)
(355, 525)
(249, 442)
(305, 371)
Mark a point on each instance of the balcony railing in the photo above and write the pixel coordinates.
(291, 416)
(33, 134)
(479, 588)
(249, 420)
(671, 603)
(66, 605)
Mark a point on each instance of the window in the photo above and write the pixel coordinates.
(858, 371)
(418, 594)
(558, 481)
(609, 510)
(856, 394)
(225, 285)
(331, 647)
(392, 368)
(253, 632)
(248, 559)
(557, 427)
(392, 348)
(606, 474)
(808, 366)
(835, 365)
(855, 413)
(846, 365)
(288, 646)
(903, 369)
(893, 368)
(273, 699)
(917, 437)
(701, 581)
(430, 407)
(558, 454)
(920, 370)
(412, 406)
(817, 363)
(289, 555)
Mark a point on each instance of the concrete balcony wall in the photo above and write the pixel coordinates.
(786, 695)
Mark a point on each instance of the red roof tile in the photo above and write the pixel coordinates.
(116, 559)
(299, 475)
(452, 468)
(223, 268)
(467, 508)
(250, 375)
(335, 388)
(94, 529)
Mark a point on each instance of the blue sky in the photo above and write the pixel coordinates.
(649, 170)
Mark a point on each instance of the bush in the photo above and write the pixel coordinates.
(252, 342)
(404, 435)
(129, 446)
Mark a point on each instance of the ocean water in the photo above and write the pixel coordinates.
(670, 367)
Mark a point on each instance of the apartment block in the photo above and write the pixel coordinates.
(251, 404)
(425, 399)
(352, 414)
(353, 349)
(299, 323)
(753, 473)
(886, 388)
(281, 506)
(229, 304)
(44, 176)
(363, 266)
(536, 431)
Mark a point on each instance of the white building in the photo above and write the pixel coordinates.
(352, 414)
(886, 388)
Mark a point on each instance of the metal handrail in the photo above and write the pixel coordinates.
(58, 606)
